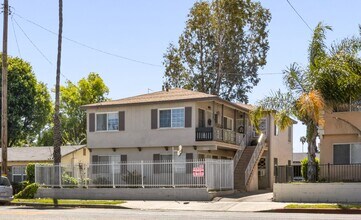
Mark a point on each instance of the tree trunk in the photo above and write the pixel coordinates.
(57, 124)
(312, 171)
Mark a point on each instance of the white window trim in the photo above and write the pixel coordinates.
(107, 113)
(162, 109)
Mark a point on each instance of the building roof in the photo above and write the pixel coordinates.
(176, 94)
(297, 157)
(172, 95)
(246, 106)
(29, 154)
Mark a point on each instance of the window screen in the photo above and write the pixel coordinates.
(101, 122)
(356, 153)
(165, 118)
(341, 154)
(178, 118)
(113, 122)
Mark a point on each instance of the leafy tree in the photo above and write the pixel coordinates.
(29, 103)
(331, 79)
(221, 49)
(88, 90)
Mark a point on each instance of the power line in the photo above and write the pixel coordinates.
(89, 47)
(42, 54)
(299, 15)
(16, 38)
(37, 48)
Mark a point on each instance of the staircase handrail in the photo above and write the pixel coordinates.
(240, 150)
(254, 158)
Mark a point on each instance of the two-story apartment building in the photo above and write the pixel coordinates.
(155, 126)
(340, 137)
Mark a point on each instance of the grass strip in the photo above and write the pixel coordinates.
(69, 202)
(324, 206)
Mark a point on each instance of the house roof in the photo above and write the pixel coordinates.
(297, 157)
(38, 153)
(172, 95)
(246, 106)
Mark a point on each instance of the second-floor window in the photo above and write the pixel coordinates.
(171, 118)
(107, 121)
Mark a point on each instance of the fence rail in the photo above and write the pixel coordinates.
(209, 173)
(325, 173)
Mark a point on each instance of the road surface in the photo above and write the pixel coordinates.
(27, 213)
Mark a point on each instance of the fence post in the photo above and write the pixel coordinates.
(60, 180)
(205, 172)
(328, 172)
(173, 172)
(35, 174)
(142, 173)
(113, 173)
(220, 175)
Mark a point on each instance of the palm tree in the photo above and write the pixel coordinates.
(303, 140)
(332, 78)
(57, 124)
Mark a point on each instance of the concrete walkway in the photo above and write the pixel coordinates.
(241, 202)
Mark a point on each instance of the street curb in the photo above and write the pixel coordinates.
(317, 211)
(69, 206)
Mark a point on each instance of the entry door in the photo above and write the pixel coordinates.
(263, 174)
(201, 118)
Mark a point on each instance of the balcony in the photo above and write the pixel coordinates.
(218, 134)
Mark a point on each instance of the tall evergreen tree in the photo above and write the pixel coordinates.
(221, 49)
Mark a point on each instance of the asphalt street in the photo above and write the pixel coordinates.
(27, 213)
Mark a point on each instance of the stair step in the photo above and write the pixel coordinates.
(239, 171)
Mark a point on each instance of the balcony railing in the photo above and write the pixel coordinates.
(218, 134)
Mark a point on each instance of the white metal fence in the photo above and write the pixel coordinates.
(210, 173)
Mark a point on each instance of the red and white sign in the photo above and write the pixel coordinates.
(198, 171)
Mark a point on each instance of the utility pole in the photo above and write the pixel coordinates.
(4, 94)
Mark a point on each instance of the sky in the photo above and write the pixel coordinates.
(141, 30)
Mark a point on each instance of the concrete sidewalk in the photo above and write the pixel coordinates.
(241, 202)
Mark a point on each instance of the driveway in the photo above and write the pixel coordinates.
(257, 196)
(239, 202)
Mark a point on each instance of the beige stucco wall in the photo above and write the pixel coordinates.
(337, 131)
(317, 192)
(138, 132)
(146, 154)
(278, 147)
(77, 157)
(253, 182)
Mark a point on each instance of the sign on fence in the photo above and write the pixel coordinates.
(198, 171)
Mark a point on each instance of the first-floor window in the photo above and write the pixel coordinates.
(171, 118)
(18, 173)
(347, 153)
(107, 122)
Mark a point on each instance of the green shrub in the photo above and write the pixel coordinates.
(30, 172)
(28, 192)
(304, 165)
(17, 187)
(69, 180)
